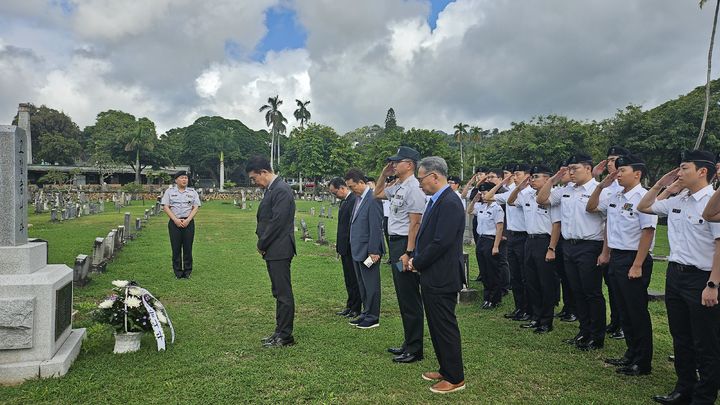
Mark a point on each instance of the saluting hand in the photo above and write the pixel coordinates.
(525, 182)
(669, 178)
(675, 187)
(599, 168)
(559, 175)
(607, 181)
(388, 169)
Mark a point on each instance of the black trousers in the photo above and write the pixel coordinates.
(279, 271)
(369, 285)
(695, 330)
(516, 263)
(612, 287)
(568, 298)
(542, 282)
(351, 285)
(491, 268)
(181, 242)
(585, 278)
(407, 289)
(445, 334)
(632, 304)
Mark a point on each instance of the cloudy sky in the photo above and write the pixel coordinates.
(484, 62)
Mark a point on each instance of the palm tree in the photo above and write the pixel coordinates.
(475, 138)
(707, 83)
(460, 131)
(276, 121)
(302, 114)
(139, 141)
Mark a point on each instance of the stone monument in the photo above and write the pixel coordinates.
(36, 298)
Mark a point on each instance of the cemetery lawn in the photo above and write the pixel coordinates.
(223, 311)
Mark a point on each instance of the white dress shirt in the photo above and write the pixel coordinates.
(515, 216)
(624, 222)
(538, 218)
(577, 223)
(487, 217)
(692, 239)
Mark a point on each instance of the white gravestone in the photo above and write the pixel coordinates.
(36, 335)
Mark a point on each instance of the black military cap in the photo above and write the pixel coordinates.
(456, 179)
(405, 152)
(634, 161)
(486, 186)
(524, 167)
(617, 150)
(697, 156)
(482, 169)
(510, 167)
(541, 169)
(180, 173)
(579, 157)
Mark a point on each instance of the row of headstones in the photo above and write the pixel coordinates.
(106, 248)
(324, 197)
(43, 202)
(322, 239)
(76, 210)
(323, 213)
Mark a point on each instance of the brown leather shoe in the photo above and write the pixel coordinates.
(431, 376)
(444, 387)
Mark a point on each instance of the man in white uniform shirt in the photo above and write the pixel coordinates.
(695, 328)
(630, 237)
(584, 234)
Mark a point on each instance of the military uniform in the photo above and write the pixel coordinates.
(181, 203)
(491, 266)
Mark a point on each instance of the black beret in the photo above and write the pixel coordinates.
(486, 186)
(579, 157)
(697, 156)
(482, 169)
(634, 161)
(617, 150)
(456, 179)
(510, 167)
(180, 173)
(524, 167)
(405, 152)
(541, 169)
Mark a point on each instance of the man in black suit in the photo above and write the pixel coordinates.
(438, 258)
(366, 247)
(339, 189)
(276, 244)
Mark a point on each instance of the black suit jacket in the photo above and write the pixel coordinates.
(275, 228)
(343, 229)
(439, 257)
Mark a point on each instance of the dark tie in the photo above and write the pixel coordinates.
(428, 208)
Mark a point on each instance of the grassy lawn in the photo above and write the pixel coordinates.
(225, 309)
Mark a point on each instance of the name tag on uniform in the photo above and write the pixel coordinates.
(676, 210)
(585, 196)
(613, 205)
(527, 204)
(566, 195)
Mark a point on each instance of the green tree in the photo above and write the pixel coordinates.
(709, 68)
(390, 121)
(46, 121)
(55, 148)
(139, 141)
(54, 177)
(276, 122)
(302, 114)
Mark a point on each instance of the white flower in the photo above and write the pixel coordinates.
(158, 305)
(120, 283)
(136, 291)
(161, 318)
(132, 302)
(106, 304)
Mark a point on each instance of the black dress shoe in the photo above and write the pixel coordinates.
(343, 312)
(633, 370)
(531, 325)
(279, 342)
(621, 362)
(590, 345)
(543, 329)
(522, 317)
(575, 340)
(672, 398)
(671, 358)
(611, 328)
(560, 314)
(408, 358)
(618, 334)
(569, 318)
(396, 350)
(269, 338)
(352, 314)
(485, 305)
(512, 314)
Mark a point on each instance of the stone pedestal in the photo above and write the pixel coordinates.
(36, 299)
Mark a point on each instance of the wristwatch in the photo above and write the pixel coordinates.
(409, 252)
(551, 248)
(711, 284)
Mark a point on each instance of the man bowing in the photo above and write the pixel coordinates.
(438, 260)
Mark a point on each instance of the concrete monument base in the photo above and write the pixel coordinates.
(58, 365)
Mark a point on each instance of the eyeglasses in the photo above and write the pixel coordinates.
(423, 177)
(451, 182)
(575, 168)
